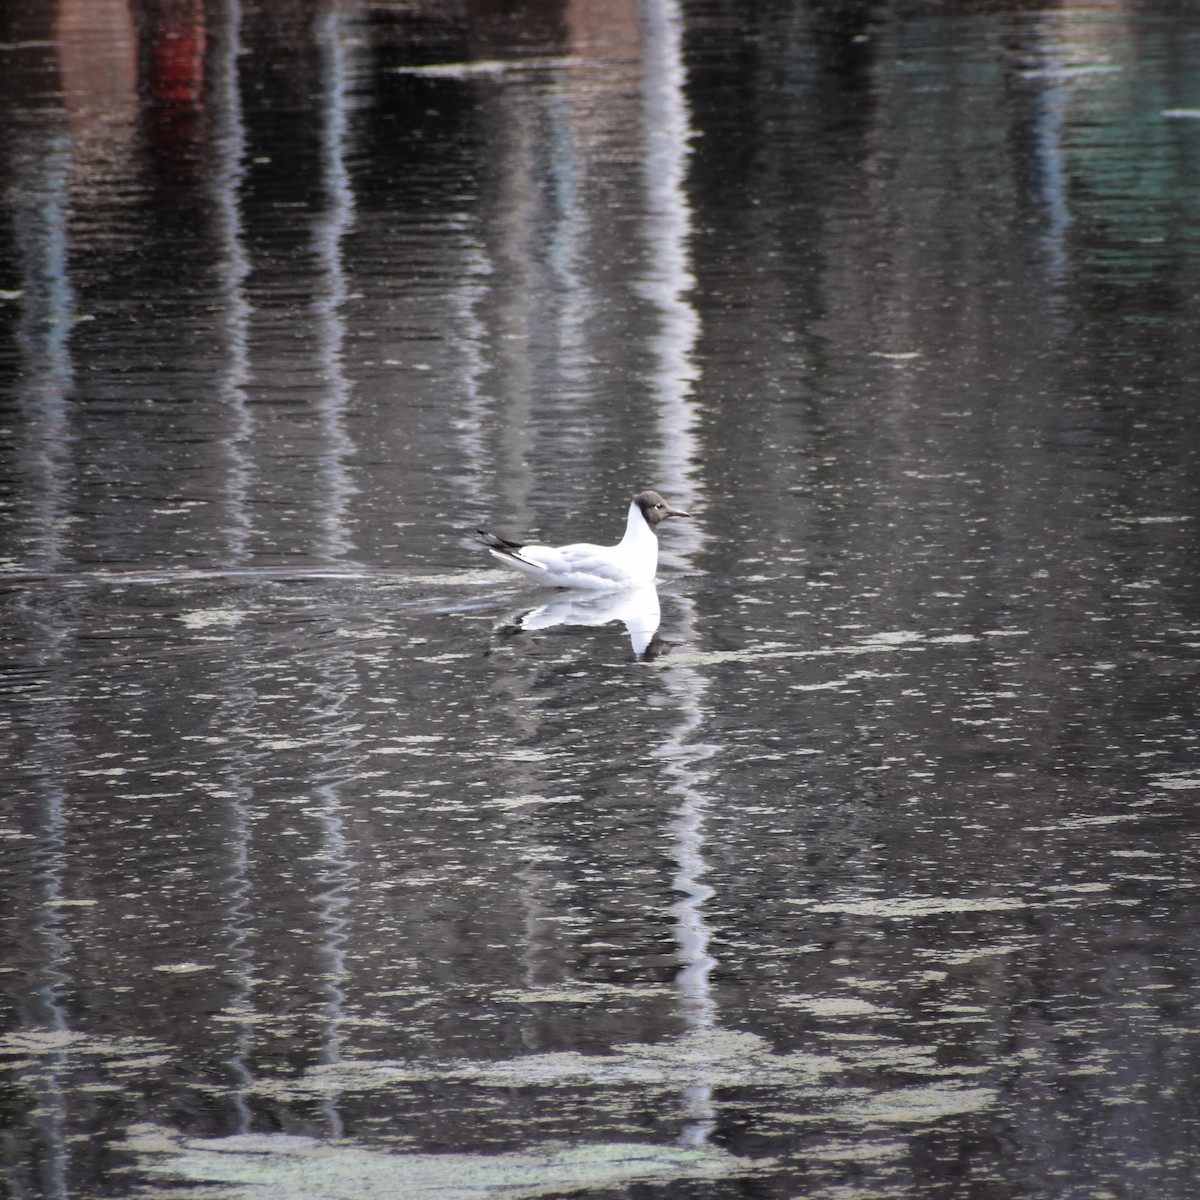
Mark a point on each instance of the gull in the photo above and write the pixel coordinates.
(631, 563)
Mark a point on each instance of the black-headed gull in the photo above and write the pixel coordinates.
(632, 562)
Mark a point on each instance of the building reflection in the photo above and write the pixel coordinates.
(312, 283)
(175, 54)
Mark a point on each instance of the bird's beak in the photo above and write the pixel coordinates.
(677, 512)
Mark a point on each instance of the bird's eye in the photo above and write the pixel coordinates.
(658, 506)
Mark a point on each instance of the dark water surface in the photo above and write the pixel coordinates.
(337, 863)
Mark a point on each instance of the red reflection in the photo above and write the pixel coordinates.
(176, 37)
(177, 70)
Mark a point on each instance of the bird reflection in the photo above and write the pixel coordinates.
(637, 607)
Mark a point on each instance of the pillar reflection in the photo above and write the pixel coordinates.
(666, 228)
(334, 42)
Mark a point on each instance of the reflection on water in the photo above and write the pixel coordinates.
(638, 608)
(854, 857)
(227, 175)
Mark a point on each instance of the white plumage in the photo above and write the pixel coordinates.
(637, 607)
(632, 562)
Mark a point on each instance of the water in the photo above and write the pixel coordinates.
(858, 859)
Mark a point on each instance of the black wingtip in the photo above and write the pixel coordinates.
(492, 542)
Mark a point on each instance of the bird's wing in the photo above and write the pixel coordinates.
(585, 559)
(578, 565)
(548, 558)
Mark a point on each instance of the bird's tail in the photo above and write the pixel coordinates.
(493, 542)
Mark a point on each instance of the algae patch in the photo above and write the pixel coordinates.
(919, 1105)
(51, 1043)
(704, 1058)
(282, 1166)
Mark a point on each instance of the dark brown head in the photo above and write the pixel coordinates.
(655, 509)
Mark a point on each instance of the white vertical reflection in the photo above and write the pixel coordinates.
(1051, 98)
(331, 292)
(240, 955)
(40, 199)
(338, 867)
(692, 935)
(226, 180)
(471, 427)
(41, 211)
(667, 230)
(332, 901)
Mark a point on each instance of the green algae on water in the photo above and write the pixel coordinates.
(281, 1167)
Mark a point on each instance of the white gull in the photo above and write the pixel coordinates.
(631, 563)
